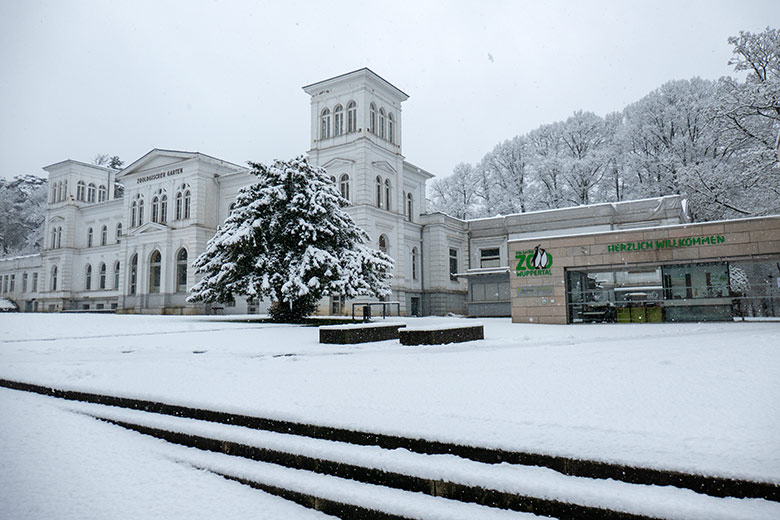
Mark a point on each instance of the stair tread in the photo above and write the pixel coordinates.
(388, 500)
(655, 501)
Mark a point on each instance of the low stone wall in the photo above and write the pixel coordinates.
(350, 334)
(441, 336)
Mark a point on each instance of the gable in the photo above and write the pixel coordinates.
(162, 161)
(156, 159)
(337, 163)
(383, 166)
(149, 227)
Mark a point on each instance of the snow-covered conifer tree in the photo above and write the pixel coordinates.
(289, 240)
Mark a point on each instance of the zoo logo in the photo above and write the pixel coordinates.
(536, 262)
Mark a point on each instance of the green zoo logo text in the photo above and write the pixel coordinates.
(534, 262)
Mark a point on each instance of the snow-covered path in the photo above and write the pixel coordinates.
(59, 465)
(695, 397)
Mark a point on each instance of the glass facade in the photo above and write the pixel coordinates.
(681, 292)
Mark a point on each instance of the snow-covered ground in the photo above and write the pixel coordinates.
(695, 397)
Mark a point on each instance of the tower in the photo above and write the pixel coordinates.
(356, 131)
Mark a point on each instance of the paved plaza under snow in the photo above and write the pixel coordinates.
(701, 398)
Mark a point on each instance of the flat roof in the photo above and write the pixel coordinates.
(581, 208)
(644, 228)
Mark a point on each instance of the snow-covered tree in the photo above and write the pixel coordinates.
(504, 181)
(289, 240)
(456, 195)
(111, 161)
(586, 138)
(547, 165)
(22, 213)
(749, 115)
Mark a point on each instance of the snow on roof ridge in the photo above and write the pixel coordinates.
(569, 208)
(644, 228)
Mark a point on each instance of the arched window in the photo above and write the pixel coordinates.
(390, 128)
(80, 191)
(53, 197)
(338, 120)
(378, 191)
(181, 270)
(351, 117)
(65, 189)
(133, 279)
(372, 119)
(187, 198)
(59, 237)
(414, 263)
(137, 211)
(163, 208)
(102, 272)
(89, 237)
(102, 193)
(382, 123)
(116, 274)
(155, 272)
(54, 278)
(383, 243)
(103, 235)
(179, 205)
(325, 124)
(344, 186)
(118, 231)
(53, 238)
(155, 208)
(388, 198)
(91, 192)
(59, 191)
(409, 206)
(88, 280)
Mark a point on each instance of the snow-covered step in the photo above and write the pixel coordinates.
(507, 485)
(331, 494)
(712, 485)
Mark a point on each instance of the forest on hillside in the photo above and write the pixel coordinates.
(714, 142)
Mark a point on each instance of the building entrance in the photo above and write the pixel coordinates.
(673, 293)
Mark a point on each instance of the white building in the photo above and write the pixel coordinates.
(133, 251)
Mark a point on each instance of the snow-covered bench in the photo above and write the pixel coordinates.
(438, 335)
(359, 333)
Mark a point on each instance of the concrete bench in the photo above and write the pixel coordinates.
(441, 335)
(359, 333)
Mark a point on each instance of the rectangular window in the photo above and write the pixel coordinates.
(24, 282)
(35, 282)
(453, 263)
(181, 277)
(13, 280)
(490, 257)
(337, 304)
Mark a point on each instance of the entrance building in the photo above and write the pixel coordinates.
(690, 272)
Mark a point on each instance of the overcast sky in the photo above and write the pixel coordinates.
(79, 78)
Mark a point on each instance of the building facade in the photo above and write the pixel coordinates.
(687, 272)
(125, 240)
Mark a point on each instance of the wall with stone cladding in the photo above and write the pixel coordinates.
(542, 298)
